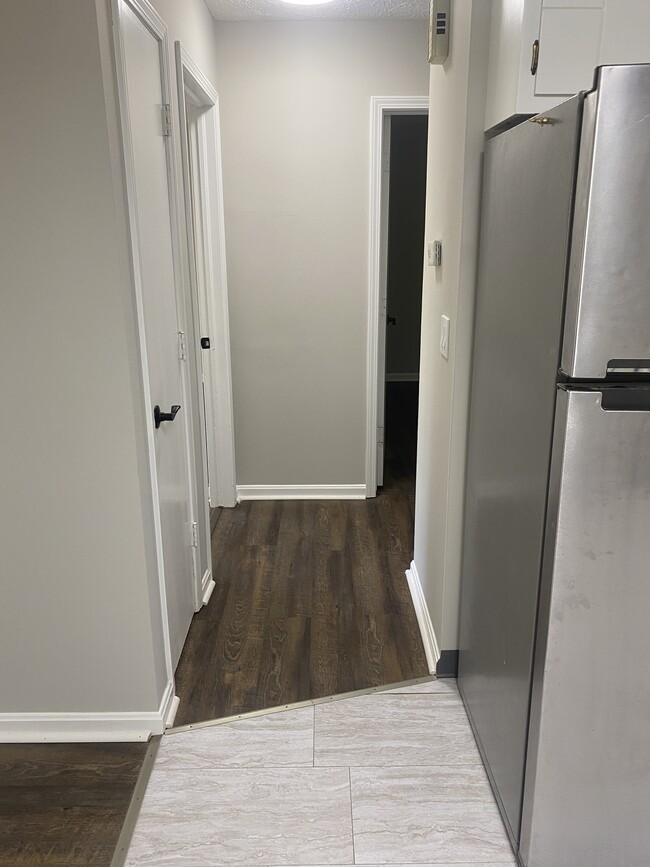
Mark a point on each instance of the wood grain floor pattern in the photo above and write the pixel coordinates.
(64, 804)
(311, 597)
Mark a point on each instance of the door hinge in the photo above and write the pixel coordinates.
(194, 535)
(380, 436)
(182, 346)
(166, 120)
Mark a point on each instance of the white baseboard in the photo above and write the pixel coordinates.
(431, 649)
(173, 710)
(207, 586)
(23, 728)
(301, 492)
(402, 377)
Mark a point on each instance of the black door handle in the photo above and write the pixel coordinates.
(159, 416)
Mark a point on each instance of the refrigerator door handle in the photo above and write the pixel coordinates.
(625, 399)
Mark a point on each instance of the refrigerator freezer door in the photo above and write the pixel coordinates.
(527, 201)
(587, 795)
(608, 299)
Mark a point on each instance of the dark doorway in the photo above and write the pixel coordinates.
(407, 195)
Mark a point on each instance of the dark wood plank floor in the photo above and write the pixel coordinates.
(311, 597)
(64, 803)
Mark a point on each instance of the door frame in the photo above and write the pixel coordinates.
(382, 108)
(204, 199)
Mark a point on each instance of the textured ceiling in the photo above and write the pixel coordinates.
(251, 10)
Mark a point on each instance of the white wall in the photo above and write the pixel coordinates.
(295, 112)
(505, 51)
(456, 115)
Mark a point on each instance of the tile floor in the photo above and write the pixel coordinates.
(390, 778)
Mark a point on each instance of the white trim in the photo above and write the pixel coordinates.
(173, 710)
(207, 586)
(300, 492)
(431, 649)
(380, 108)
(296, 705)
(209, 208)
(402, 377)
(26, 728)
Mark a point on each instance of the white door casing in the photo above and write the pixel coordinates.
(203, 190)
(382, 108)
(144, 91)
(384, 205)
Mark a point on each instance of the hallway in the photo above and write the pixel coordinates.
(311, 598)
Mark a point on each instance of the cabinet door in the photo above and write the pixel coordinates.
(575, 36)
(569, 47)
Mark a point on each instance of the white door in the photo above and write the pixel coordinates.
(155, 264)
(197, 251)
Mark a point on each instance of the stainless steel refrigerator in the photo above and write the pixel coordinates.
(554, 664)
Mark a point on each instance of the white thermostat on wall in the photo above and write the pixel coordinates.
(438, 30)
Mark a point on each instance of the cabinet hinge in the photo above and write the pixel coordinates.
(166, 120)
(182, 346)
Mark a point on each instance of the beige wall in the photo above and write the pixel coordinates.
(75, 628)
(190, 22)
(80, 613)
(456, 115)
(295, 113)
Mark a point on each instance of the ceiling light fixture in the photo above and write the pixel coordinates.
(307, 2)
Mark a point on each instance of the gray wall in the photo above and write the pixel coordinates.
(408, 168)
(75, 627)
(80, 613)
(295, 112)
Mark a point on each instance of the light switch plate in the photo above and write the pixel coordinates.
(444, 336)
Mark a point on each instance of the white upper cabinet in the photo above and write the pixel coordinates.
(543, 51)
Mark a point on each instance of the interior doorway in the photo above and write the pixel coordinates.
(398, 184)
(407, 167)
(210, 350)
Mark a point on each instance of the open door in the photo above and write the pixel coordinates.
(144, 97)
